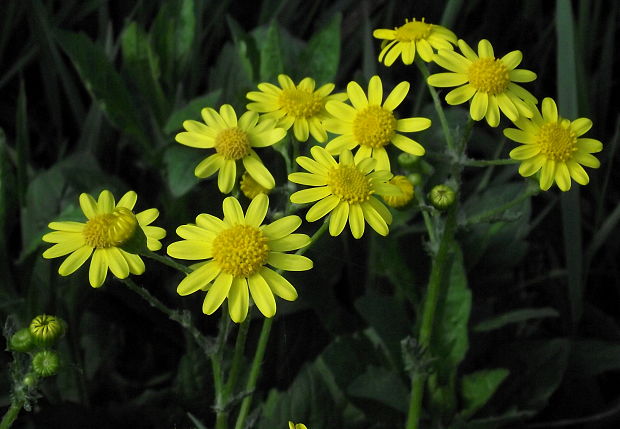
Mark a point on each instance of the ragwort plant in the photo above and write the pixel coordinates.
(269, 175)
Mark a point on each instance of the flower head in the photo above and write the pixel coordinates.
(345, 189)
(410, 37)
(298, 106)
(488, 81)
(46, 330)
(406, 192)
(372, 125)
(237, 250)
(554, 146)
(233, 140)
(109, 227)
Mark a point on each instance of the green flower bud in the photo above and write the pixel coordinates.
(30, 380)
(46, 330)
(45, 363)
(415, 179)
(407, 160)
(21, 341)
(442, 197)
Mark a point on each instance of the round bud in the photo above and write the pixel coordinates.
(415, 179)
(46, 330)
(21, 341)
(45, 363)
(407, 160)
(30, 380)
(442, 197)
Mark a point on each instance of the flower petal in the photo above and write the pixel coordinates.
(411, 125)
(88, 205)
(512, 59)
(98, 270)
(105, 203)
(478, 107)
(227, 175)
(75, 260)
(549, 110)
(128, 200)
(262, 295)
(356, 220)
(281, 227)
(209, 166)
(233, 213)
(191, 250)
(375, 91)
(374, 219)
(356, 95)
(397, 96)
(217, 293)
(408, 145)
(257, 210)
(310, 195)
(278, 284)
(338, 218)
(198, 279)
(444, 80)
(581, 126)
(460, 95)
(259, 172)
(118, 265)
(238, 300)
(322, 208)
(288, 262)
(289, 243)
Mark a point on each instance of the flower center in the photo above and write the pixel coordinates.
(240, 250)
(110, 229)
(349, 184)
(232, 143)
(556, 142)
(374, 126)
(489, 75)
(299, 103)
(414, 30)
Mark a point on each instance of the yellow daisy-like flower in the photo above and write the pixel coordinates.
(406, 192)
(250, 187)
(292, 425)
(298, 106)
(553, 145)
(411, 37)
(371, 125)
(238, 250)
(488, 81)
(233, 140)
(110, 226)
(345, 189)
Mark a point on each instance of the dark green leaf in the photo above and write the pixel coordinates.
(180, 163)
(594, 357)
(322, 54)
(380, 385)
(516, 316)
(271, 64)
(103, 82)
(477, 388)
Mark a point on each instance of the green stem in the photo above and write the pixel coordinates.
(167, 261)
(221, 419)
(182, 318)
(492, 213)
(428, 317)
(262, 344)
(235, 367)
(11, 414)
(437, 103)
(487, 162)
(254, 372)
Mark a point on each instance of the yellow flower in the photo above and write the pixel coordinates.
(372, 126)
(406, 192)
(238, 250)
(110, 225)
(233, 140)
(489, 80)
(250, 187)
(411, 37)
(345, 189)
(298, 106)
(292, 425)
(553, 145)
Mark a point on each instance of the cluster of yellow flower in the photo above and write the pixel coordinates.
(551, 144)
(235, 251)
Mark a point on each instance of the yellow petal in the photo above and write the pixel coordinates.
(259, 172)
(238, 300)
(196, 280)
(191, 250)
(257, 210)
(397, 96)
(356, 220)
(98, 268)
(288, 262)
(338, 218)
(281, 227)
(75, 260)
(118, 265)
(278, 284)
(217, 293)
(262, 295)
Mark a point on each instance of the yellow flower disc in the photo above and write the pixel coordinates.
(299, 103)
(240, 250)
(250, 187)
(110, 229)
(488, 75)
(407, 192)
(374, 126)
(232, 143)
(349, 184)
(414, 30)
(556, 142)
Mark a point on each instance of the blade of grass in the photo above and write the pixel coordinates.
(22, 143)
(568, 106)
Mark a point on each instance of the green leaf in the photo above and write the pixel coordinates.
(142, 65)
(22, 143)
(477, 388)
(515, 316)
(103, 82)
(321, 56)
(191, 111)
(180, 162)
(271, 63)
(594, 357)
(374, 307)
(380, 385)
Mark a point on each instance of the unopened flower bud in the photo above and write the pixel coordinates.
(46, 330)
(442, 197)
(407, 160)
(21, 341)
(415, 179)
(45, 363)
